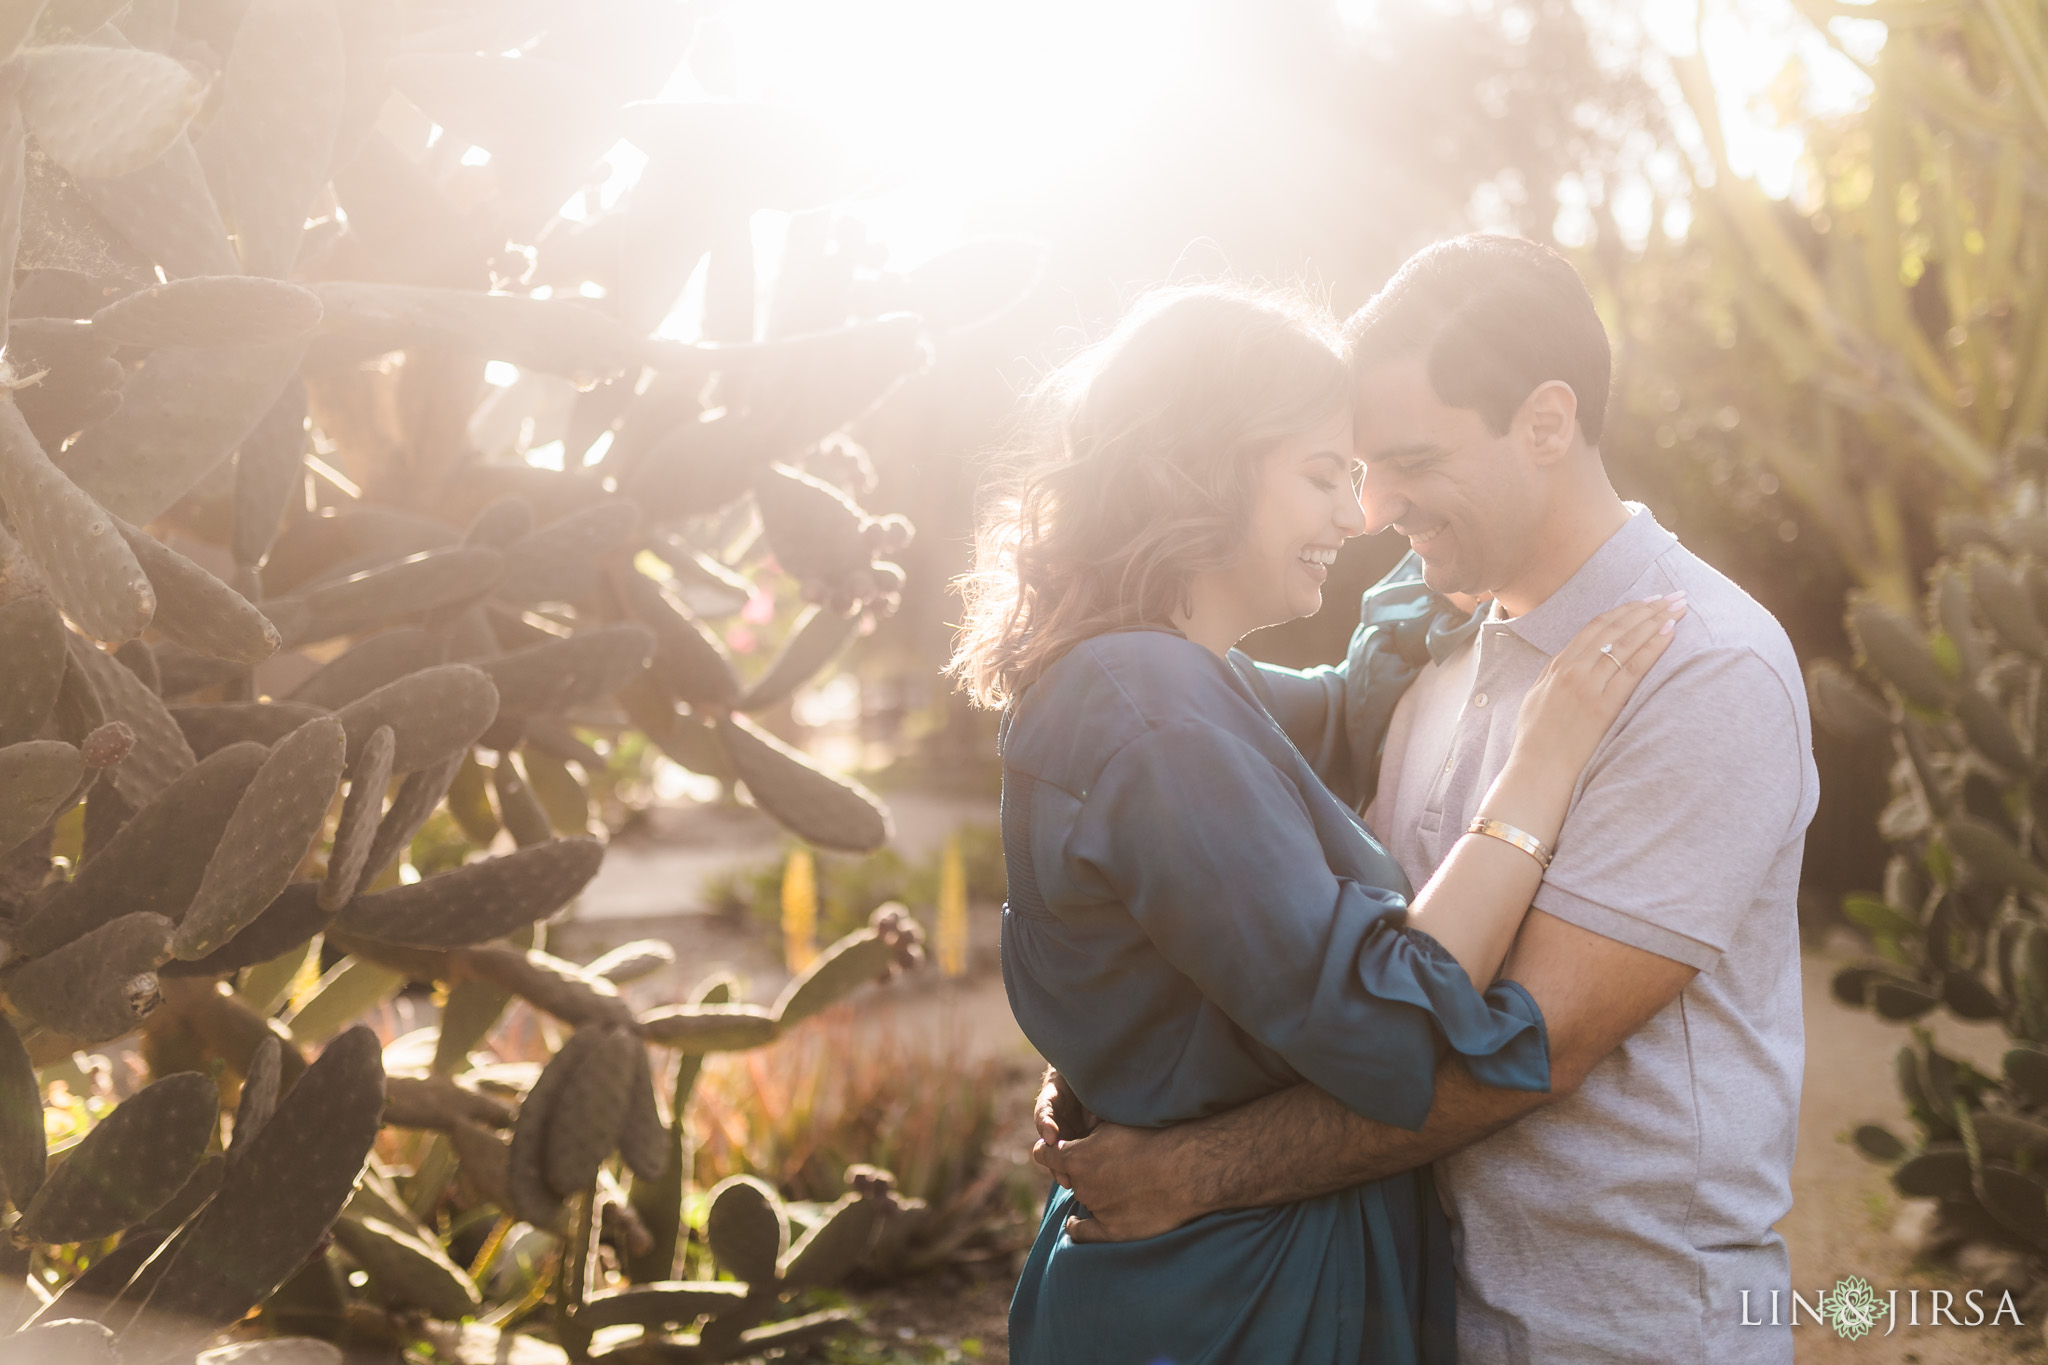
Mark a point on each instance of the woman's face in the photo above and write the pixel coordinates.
(1304, 506)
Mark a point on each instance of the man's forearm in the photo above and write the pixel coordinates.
(1301, 1143)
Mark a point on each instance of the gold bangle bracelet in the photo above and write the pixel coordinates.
(1521, 839)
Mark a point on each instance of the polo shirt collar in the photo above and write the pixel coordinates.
(1598, 584)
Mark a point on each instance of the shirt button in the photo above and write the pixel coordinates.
(1479, 699)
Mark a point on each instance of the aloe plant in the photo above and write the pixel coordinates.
(282, 596)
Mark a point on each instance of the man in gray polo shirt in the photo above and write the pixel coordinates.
(1619, 1217)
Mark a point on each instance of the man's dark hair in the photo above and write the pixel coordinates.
(1491, 317)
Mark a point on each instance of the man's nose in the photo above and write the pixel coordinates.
(1379, 504)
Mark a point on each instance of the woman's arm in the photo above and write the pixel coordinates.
(1476, 900)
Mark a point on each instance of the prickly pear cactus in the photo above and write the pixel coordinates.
(1961, 923)
(348, 498)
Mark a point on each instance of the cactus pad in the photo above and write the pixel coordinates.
(155, 863)
(521, 809)
(417, 797)
(819, 809)
(815, 528)
(161, 753)
(198, 610)
(368, 665)
(854, 961)
(270, 144)
(584, 1125)
(469, 802)
(32, 642)
(268, 468)
(662, 1303)
(551, 336)
(218, 310)
(526, 1183)
(81, 381)
(570, 993)
(129, 1165)
(273, 827)
(98, 986)
(561, 674)
(91, 571)
(814, 641)
(211, 728)
(286, 923)
(165, 211)
(24, 1149)
(105, 111)
(554, 564)
(1898, 651)
(258, 1099)
(709, 1028)
(477, 902)
(689, 663)
(368, 776)
(432, 578)
(441, 1103)
(278, 1200)
(183, 411)
(630, 962)
(834, 1244)
(63, 1341)
(746, 1228)
(409, 1269)
(560, 794)
(434, 714)
(643, 1137)
(36, 777)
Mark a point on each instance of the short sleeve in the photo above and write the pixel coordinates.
(1680, 817)
(1214, 853)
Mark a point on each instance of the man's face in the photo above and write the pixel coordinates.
(1466, 499)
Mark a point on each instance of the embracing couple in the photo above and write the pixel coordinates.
(1506, 1070)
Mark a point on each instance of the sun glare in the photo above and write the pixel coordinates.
(955, 103)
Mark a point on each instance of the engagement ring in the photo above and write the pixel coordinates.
(1607, 652)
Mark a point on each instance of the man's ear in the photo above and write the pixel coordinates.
(1550, 416)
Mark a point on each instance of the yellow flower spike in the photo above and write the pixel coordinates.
(950, 941)
(799, 910)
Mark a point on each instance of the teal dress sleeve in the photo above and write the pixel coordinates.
(1216, 856)
(1338, 716)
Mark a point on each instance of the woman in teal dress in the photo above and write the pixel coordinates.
(1194, 919)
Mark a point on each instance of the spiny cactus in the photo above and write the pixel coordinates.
(270, 544)
(1961, 922)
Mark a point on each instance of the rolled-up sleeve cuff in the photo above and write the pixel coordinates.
(1622, 927)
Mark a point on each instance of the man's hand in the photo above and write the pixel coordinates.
(1124, 1178)
(1106, 1166)
(1059, 1115)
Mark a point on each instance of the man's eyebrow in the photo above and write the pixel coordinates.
(1406, 452)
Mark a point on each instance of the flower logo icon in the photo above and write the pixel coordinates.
(1852, 1307)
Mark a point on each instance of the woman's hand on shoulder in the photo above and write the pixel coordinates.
(1584, 686)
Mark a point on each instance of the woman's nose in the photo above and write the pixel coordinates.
(1351, 519)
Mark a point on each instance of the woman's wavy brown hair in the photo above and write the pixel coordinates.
(1135, 471)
